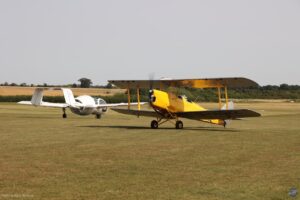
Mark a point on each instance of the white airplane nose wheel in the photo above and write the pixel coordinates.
(179, 125)
(154, 124)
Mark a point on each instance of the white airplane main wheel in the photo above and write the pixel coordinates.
(179, 125)
(64, 115)
(154, 124)
(98, 116)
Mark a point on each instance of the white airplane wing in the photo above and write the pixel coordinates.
(45, 104)
(37, 100)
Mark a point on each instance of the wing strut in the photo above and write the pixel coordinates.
(128, 96)
(138, 98)
(219, 95)
(226, 97)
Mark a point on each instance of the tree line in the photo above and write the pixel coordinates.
(83, 83)
(283, 91)
(290, 92)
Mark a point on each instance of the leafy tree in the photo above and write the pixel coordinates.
(109, 86)
(85, 82)
(284, 86)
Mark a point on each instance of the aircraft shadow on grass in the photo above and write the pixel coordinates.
(213, 129)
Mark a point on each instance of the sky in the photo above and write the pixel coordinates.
(61, 41)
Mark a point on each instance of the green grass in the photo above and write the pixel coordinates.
(43, 156)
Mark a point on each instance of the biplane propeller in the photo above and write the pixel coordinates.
(168, 107)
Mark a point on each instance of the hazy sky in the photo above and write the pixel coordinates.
(60, 41)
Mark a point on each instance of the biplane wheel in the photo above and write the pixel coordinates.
(64, 115)
(179, 125)
(154, 124)
(98, 116)
(225, 123)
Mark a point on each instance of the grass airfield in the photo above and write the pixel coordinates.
(43, 156)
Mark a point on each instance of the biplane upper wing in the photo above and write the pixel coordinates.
(218, 114)
(237, 82)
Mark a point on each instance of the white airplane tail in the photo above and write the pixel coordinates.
(69, 97)
(37, 97)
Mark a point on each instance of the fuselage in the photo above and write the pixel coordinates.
(84, 106)
(173, 103)
(168, 103)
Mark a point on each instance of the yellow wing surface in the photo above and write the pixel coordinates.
(236, 82)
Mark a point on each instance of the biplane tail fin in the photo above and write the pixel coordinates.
(230, 107)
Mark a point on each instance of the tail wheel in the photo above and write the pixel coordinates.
(154, 124)
(179, 125)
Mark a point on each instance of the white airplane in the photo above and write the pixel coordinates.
(81, 105)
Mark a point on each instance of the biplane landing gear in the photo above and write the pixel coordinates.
(64, 114)
(154, 124)
(179, 125)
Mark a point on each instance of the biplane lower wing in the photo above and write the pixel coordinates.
(218, 114)
(196, 115)
(145, 113)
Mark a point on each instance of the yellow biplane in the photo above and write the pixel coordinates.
(170, 107)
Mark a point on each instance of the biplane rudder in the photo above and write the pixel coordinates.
(230, 107)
